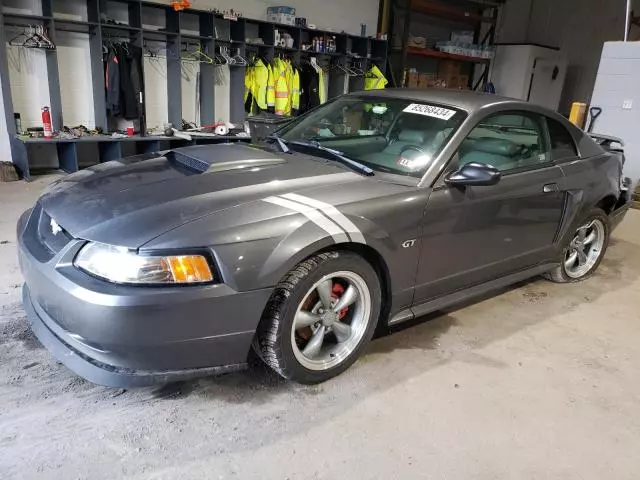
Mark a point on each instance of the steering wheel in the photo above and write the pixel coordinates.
(413, 157)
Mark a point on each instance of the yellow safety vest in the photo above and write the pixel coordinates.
(289, 74)
(271, 86)
(295, 97)
(259, 83)
(322, 93)
(375, 80)
(248, 82)
(283, 95)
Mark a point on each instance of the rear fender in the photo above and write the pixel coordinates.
(589, 182)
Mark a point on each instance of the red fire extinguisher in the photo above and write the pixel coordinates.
(46, 122)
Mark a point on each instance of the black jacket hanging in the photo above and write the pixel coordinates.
(128, 101)
(136, 76)
(310, 95)
(112, 83)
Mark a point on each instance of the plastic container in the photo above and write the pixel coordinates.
(284, 15)
(263, 125)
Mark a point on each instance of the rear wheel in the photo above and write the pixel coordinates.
(585, 250)
(320, 317)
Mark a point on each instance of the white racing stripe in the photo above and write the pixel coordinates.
(332, 212)
(312, 214)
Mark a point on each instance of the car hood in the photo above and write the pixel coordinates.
(131, 201)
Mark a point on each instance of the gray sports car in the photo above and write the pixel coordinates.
(368, 211)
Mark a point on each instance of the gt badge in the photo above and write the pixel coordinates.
(408, 243)
(55, 228)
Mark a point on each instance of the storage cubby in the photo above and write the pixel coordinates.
(237, 29)
(154, 19)
(190, 24)
(70, 11)
(223, 29)
(120, 12)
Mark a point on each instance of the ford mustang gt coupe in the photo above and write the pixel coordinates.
(371, 210)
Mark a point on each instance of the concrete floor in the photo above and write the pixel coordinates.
(538, 382)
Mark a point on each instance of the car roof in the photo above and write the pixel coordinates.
(463, 99)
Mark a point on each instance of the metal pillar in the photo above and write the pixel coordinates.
(627, 23)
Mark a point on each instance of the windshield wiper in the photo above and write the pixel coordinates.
(281, 143)
(337, 155)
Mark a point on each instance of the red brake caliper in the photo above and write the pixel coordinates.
(336, 292)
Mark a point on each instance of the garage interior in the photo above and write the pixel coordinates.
(534, 381)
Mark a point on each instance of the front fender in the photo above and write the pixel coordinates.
(263, 263)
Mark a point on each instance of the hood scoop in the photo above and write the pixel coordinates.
(200, 159)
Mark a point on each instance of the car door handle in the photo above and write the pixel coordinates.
(550, 187)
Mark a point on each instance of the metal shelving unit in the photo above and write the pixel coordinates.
(213, 31)
(460, 13)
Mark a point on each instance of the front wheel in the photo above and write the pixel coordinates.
(320, 317)
(585, 250)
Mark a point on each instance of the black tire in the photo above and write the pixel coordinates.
(559, 274)
(273, 337)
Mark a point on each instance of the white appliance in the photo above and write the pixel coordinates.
(617, 93)
(529, 72)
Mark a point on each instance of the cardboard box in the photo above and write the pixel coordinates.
(427, 80)
(413, 79)
(450, 80)
(417, 42)
(448, 67)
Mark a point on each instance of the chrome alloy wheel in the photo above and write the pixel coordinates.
(585, 249)
(331, 320)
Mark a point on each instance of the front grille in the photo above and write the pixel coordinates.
(53, 240)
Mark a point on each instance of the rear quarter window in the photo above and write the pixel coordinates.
(562, 144)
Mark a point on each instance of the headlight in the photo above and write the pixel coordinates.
(120, 265)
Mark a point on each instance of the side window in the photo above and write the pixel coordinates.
(562, 144)
(507, 141)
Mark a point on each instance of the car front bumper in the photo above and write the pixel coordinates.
(126, 336)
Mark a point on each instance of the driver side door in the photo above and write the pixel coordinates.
(474, 234)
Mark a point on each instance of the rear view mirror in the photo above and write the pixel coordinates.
(474, 174)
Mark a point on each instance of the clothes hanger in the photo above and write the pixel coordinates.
(204, 57)
(219, 60)
(314, 64)
(357, 68)
(45, 41)
(224, 52)
(14, 41)
(240, 61)
(33, 37)
(34, 40)
(197, 55)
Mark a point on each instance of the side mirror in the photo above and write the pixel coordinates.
(474, 174)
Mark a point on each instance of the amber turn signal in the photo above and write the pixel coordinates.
(190, 269)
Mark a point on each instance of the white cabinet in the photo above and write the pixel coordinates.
(529, 72)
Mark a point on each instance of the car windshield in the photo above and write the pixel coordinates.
(385, 134)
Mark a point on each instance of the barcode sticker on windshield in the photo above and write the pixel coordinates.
(430, 111)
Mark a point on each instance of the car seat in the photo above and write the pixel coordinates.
(389, 155)
(406, 138)
(497, 152)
